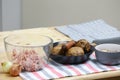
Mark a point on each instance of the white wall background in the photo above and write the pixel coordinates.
(40, 13)
(0, 15)
(37, 13)
(11, 14)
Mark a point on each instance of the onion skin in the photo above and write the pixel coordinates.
(15, 70)
(6, 66)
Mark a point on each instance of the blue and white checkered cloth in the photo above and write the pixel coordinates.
(93, 30)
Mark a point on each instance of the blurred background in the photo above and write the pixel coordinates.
(24, 14)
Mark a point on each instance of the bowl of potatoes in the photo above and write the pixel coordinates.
(71, 52)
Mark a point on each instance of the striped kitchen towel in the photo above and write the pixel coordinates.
(55, 70)
(90, 31)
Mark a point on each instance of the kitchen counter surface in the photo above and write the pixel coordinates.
(56, 36)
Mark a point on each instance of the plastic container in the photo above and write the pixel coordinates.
(31, 51)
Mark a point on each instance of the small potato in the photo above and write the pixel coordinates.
(84, 44)
(75, 51)
(58, 50)
(70, 44)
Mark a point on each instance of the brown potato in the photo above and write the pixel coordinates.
(75, 51)
(83, 44)
(59, 49)
(70, 44)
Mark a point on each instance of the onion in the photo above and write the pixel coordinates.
(15, 70)
(6, 66)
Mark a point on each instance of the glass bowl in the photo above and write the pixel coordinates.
(31, 51)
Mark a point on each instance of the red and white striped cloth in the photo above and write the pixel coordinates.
(56, 70)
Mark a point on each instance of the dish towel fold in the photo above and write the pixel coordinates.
(57, 70)
(90, 31)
